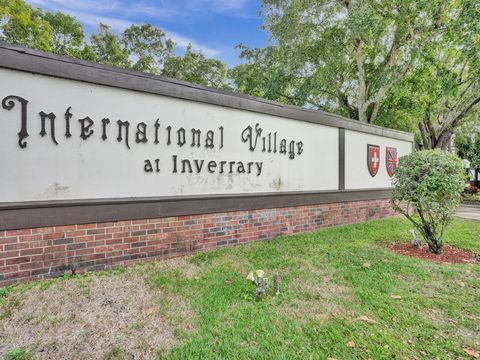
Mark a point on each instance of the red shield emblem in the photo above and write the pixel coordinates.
(391, 159)
(373, 159)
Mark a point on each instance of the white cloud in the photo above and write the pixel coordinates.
(185, 10)
(90, 12)
(183, 42)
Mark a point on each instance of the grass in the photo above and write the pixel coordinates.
(331, 282)
(471, 197)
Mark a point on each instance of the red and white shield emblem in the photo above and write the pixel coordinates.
(391, 160)
(373, 159)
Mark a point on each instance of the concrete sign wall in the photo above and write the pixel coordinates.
(83, 142)
(357, 159)
(88, 141)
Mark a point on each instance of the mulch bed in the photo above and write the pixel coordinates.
(449, 254)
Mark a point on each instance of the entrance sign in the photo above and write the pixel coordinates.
(109, 144)
(69, 140)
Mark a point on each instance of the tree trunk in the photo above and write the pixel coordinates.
(435, 247)
(444, 140)
(362, 82)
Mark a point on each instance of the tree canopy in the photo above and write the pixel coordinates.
(405, 64)
(195, 67)
(141, 47)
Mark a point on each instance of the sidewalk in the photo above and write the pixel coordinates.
(469, 211)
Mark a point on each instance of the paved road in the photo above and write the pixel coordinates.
(469, 211)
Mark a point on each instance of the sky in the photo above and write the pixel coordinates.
(214, 27)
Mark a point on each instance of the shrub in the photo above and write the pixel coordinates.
(427, 190)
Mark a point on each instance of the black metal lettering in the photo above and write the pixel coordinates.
(141, 135)
(9, 104)
(157, 126)
(196, 137)
(68, 116)
(247, 135)
(283, 146)
(221, 136)
(169, 130)
(222, 164)
(148, 166)
(174, 158)
(126, 125)
(240, 168)
(211, 166)
(259, 167)
(181, 137)
(51, 117)
(86, 132)
(299, 148)
(198, 165)
(105, 122)
(291, 152)
(184, 163)
(209, 140)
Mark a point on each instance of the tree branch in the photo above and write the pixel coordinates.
(446, 132)
(362, 81)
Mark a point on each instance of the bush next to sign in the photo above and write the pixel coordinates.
(427, 190)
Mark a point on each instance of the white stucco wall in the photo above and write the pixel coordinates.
(356, 170)
(93, 168)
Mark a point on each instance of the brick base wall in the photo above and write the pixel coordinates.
(48, 252)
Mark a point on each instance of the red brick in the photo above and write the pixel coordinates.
(103, 236)
(9, 254)
(18, 232)
(35, 251)
(9, 240)
(96, 231)
(105, 225)
(17, 246)
(30, 238)
(66, 228)
(44, 230)
(113, 241)
(102, 245)
(31, 265)
(17, 260)
(85, 251)
(55, 235)
(17, 275)
(54, 249)
(86, 226)
(75, 233)
(8, 269)
(86, 238)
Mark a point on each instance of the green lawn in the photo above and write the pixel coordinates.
(336, 287)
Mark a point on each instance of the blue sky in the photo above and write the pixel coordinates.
(212, 26)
